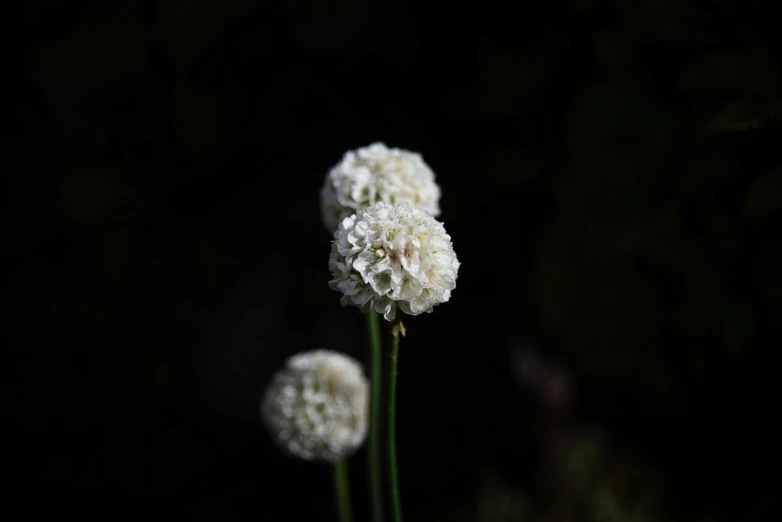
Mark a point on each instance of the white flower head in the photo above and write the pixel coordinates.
(316, 406)
(393, 256)
(376, 173)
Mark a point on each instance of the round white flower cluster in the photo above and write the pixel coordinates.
(389, 256)
(376, 173)
(316, 406)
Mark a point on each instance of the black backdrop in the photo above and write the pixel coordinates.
(611, 180)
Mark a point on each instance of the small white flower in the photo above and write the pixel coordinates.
(316, 406)
(389, 256)
(377, 173)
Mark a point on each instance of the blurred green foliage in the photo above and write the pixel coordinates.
(629, 149)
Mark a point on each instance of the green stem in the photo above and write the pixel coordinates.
(375, 362)
(342, 490)
(393, 473)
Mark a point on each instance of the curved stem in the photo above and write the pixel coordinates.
(393, 473)
(342, 490)
(375, 378)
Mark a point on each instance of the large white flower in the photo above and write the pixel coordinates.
(377, 173)
(316, 406)
(389, 256)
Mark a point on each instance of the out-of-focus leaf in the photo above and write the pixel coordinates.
(764, 196)
(508, 165)
(738, 116)
(500, 501)
(507, 82)
(194, 27)
(609, 53)
(584, 458)
(743, 115)
(766, 276)
(198, 112)
(86, 194)
(738, 325)
(748, 75)
(605, 507)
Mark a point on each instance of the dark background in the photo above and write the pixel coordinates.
(611, 180)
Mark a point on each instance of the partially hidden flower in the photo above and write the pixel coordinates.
(376, 173)
(393, 256)
(316, 406)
